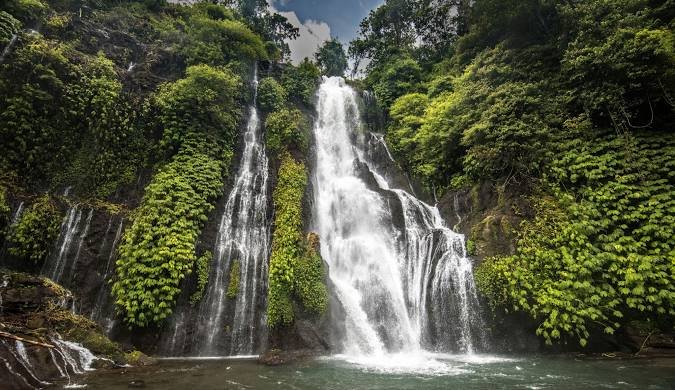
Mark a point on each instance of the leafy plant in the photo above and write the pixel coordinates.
(331, 58)
(271, 95)
(287, 128)
(34, 234)
(203, 266)
(233, 285)
(604, 257)
(300, 82)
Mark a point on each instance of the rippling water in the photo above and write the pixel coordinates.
(398, 372)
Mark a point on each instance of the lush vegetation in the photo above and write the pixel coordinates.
(271, 95)
(35, 232)
(287, 128)
(552, 106)
(300, 82)
(296, 269)
(331, 58)
(107, 90)
(198, 115)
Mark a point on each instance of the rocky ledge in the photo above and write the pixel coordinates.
(42, 341)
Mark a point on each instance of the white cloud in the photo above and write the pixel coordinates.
(313, 34)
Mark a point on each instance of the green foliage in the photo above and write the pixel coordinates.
(8, 27)
(218, 41)
(198, 115)
(158, 249)
(471, 247)
(331, 58)
(310, 287)
(287, 128)
(233, 285)
(34, 128)
(26, 10)
(113, 145)
(5, 212)
(271, 95)
(286, 239)
(495, 121)
(90, 139)
(491, 281)
(202, 268)
(300, 82)
(391, 80)
(604, 256)
(205, 101)
(625, 64)
(35, 232)
(295, 265)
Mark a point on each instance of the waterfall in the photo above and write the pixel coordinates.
(243, 236)
(7, 48)
(103, 309)
(401, 275)
(73, 231)
(17, 214)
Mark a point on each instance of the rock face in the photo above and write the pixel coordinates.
(42, 341)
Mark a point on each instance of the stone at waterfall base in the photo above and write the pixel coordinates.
(277, 357)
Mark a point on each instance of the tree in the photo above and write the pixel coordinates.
(331, 58)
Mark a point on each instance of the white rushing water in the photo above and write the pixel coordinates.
(243, 236)
(74, 230)
(103, 309)
(401, 275)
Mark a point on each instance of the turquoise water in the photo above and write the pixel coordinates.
(432, 372)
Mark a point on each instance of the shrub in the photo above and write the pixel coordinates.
(287, 128)
(34, 234)
(300, 82)
(233, 285)
(271, 95)
(202, 267)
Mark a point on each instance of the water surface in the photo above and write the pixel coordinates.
(393, 372)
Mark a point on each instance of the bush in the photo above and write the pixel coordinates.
(271, 95)
(287, 128)
(217, 42)
(202, 267)
(8, 27)
(300, 82)
(207, 102)
(33, 236)
(233, 285)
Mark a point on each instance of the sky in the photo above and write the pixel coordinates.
(319, 20)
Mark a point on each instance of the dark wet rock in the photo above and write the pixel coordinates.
(277, 357)
(136, 384)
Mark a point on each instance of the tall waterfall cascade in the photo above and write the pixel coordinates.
(401, 275)
(236, 326)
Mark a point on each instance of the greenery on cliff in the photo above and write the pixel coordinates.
(95, 93)
(567, 105)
